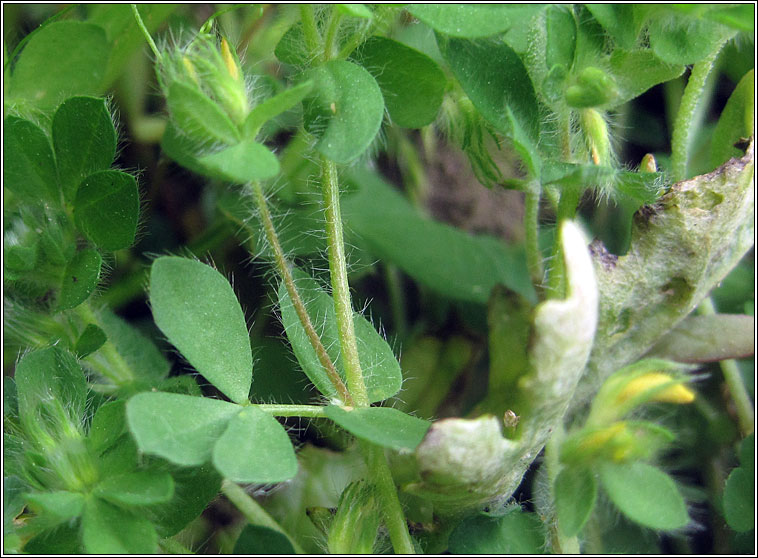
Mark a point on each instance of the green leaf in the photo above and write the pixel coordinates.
(64, 539)
(61, 505)
(141, 488)
(198, 117)
(516, 532)
(679, 39)
(180, 428)
(747, 452)
(412, 83)
(91, 339)
(106, 209)
(291, 48)
(575, 495)
(50, 382)
(62, 59)
(195, 307)
(139, 352)
(464, 20)
(707, 339)
(255, 448)
(622, 22)
(107, 529)
(735, 122)
(376, 356)
(28, 169)
(384, 426)
(495, 79)
(636, 71)
(108, 424)
(256, 539)
(449, 261)
(80, 278)
(273, 107)
(739, 507)
(560, 28)
(245, 162)
(84, 140)
(344, 110)
(194, 488)
(645, 495)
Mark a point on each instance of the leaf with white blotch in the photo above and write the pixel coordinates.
(467, 463)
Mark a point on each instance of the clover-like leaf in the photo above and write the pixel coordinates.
(195, 307)
(384, 426)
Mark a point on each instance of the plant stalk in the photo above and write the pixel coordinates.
(253, 511)
(394, 518)
(146, 33)
(310, 29)
(311, 411)
(531, 226)
(340, 287)
(297, 302)
(118, 370)
(733, 379)
(683, 124)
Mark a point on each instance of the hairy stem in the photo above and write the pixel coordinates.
(340, 287)
(311, 411)
(310, 29)
(283, 269)
(253, 511)
(682, 134)
(531, 226)
(733, 379)
(394, 518)
(330, 37)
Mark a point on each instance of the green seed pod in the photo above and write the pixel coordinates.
(356, 523)
(596, 136)
(593, 88)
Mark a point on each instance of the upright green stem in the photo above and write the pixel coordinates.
(284, 272)
(145, 32)
(682, 134)
(330, 37)
(561, 544)
(394, 518)
(340, 287)
(733, 379)
(253, 511)
(531, 226)
(310, 29)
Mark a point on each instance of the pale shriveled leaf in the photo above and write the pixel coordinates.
(708, 339)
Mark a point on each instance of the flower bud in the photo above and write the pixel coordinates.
(596, 137)
(593, 88)
(648, 163)
(656, 386)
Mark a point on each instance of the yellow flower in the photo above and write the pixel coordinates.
(652, 382)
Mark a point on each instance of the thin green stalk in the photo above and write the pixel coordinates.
(146, 33)
(283, 269)
(394, 518)
(253, 511)
(310, 29)
(311, 411)
(531, 226)
(561, 544)
(682, 134)
(397, 299)
(330, 37)
(340, 287)
(733, 379)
